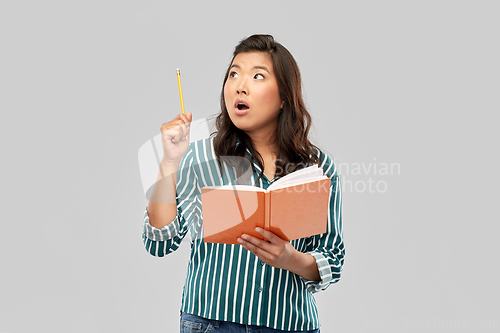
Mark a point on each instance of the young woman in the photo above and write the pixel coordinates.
(263, 120)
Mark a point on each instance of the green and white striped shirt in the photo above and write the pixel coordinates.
(227, 282)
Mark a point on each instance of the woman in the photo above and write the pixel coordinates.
(263, 121)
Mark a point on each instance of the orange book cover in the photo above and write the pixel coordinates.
(296, 207)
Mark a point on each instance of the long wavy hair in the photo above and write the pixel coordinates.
(294, 121)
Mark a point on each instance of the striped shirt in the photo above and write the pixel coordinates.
(227, 282)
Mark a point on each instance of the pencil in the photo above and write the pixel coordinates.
(180, 90)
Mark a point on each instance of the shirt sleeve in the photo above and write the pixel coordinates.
(160, 242)
(328, 248)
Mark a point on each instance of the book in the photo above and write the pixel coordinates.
(293, 207)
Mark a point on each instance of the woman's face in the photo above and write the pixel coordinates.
(251, 94)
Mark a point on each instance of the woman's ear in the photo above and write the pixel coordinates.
(282, 103)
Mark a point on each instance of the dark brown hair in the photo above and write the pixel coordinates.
(294, 121)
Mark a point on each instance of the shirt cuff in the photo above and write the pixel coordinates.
(325, 273)
(167, 232)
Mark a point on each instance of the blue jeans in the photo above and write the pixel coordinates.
(194, 324)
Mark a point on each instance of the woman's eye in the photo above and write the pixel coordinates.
(258, 76)
(233, 74)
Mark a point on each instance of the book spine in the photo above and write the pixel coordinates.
(267, 211)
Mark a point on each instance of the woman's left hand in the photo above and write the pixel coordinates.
(277, 252)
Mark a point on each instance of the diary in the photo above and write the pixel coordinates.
(293, 207)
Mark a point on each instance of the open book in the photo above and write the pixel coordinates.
(293, 207)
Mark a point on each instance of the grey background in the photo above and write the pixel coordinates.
(85, 84)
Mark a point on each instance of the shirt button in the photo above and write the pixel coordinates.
(262, 263)
(260, 289)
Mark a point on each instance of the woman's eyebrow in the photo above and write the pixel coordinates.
(263, 68)
(254, 67)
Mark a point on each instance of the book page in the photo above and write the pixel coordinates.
(295, 182)
(299, 177)
(235, 188)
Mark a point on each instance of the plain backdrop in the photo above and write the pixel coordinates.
(404, 96)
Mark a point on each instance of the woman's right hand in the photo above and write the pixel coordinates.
(175, 137)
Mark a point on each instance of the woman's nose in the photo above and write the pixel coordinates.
(242, 88)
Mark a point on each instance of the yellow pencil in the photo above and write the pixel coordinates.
(180, 90)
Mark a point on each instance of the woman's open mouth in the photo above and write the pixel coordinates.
(241, 107)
